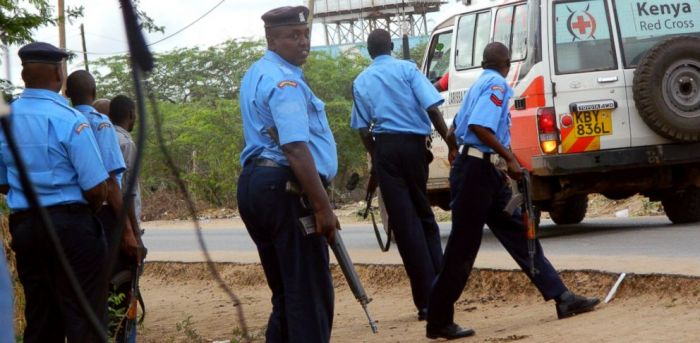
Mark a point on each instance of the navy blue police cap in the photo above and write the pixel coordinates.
(285, 16)
(40, 52)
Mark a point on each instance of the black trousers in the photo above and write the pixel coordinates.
(401, 165)
(295, 264)
(479, 194)
(51, 310)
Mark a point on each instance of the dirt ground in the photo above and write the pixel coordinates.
(184, 305)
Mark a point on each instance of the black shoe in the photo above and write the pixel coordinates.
(422, 314)
(452, 331)
(569, 304)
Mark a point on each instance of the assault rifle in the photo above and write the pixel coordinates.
(337, 246)
(529, 217)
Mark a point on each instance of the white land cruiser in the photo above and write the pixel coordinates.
(607, 97)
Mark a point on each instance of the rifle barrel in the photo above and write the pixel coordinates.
(341, 254)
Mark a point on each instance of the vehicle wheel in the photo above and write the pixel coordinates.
(667, 88)
(683, 207)
(571, 211)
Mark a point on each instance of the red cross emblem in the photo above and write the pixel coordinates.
(581, 24)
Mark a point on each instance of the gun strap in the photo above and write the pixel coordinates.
(143, 307)
(383, 246)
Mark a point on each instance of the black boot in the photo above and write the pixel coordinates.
(569, 304)
(452, 331)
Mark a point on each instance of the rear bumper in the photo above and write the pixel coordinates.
(616, 159)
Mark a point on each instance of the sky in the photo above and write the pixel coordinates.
(104, 30)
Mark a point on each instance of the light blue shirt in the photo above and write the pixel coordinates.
(58, 149)
(392, 96)
(274, 93)
(107, 141)
(486, 104)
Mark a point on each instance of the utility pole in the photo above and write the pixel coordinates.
(82, 35)
(62, 37)
(311, 15)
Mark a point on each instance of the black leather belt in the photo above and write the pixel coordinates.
(264, 162)
(71, 208)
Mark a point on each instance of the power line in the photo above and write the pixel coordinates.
(162, 39)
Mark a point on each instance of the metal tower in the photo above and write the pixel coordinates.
(350, 21)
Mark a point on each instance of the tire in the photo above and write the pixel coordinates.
(571, 211)
(683, 207)
(666, 88)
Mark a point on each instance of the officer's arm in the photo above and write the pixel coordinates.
(487, 137)
(115, 202)
(439, 123)
(304, 168)
(97, 195)
(367, 139)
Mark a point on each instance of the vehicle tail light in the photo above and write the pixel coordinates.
(548, 130)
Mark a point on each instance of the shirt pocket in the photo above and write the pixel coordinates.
(317, 116)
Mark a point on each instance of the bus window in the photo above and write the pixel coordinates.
(439, 56)
(511, 30)
(473, 34)
(518, 46)
(482, 36)
(465, 42)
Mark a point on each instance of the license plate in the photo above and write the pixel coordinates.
(593, 123)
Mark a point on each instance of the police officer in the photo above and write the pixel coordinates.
(122, 113)
(288, 141)
(65, 166)
(80, 88)
(394, 104)
(479, 194)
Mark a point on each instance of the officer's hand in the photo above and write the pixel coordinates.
(326, 224)
(514, 170)
(129, 244)
(452, 155)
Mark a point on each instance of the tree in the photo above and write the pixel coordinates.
(185, 74)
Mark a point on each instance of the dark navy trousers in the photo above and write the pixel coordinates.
(51, 309)
(295, 265)
(478, 195)
(401, 166)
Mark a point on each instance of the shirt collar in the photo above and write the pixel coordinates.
(121, 130)
(382, 58)
(275, 58)
(85, 108)
(493, 72)
(44, 93)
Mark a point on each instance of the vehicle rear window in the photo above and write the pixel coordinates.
(582, 37)
(643, 24)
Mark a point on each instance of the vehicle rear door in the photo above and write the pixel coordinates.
(588, 79)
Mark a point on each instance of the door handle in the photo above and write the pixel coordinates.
(607, 79)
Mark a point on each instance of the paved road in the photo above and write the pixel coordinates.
(643, 245)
